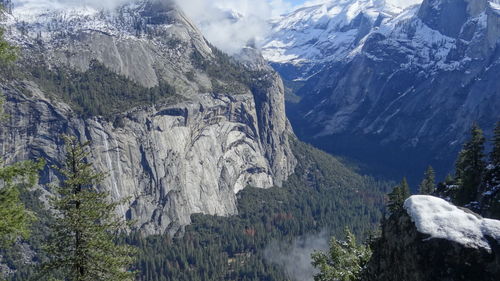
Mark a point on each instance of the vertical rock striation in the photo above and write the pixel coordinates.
(171, 159)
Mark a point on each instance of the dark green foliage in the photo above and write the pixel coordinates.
(15, 219)
(98, 91)
(477, 178)
(82, 246)
(398, 196)
(405, 189)
(322, 194)
(495, 155)
(8, 53)
(345, 260)
(491, 199)
(428, 184)
(15, 257)
(470, 167)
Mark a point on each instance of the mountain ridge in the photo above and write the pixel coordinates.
(405, 89)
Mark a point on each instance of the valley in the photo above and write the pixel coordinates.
(134, 148)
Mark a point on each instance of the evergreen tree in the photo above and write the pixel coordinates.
(428, 184)
(449, 179)
(495, 155)
(395, 200)
(490, 201)
(470, 167)
(15, 219)
(398, 196)
(405, 189)
(345, 260)
(83, 246)
(8, 53)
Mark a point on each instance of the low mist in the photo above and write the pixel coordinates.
(295, 257)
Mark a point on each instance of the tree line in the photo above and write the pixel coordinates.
(82, 244)
(475, 185)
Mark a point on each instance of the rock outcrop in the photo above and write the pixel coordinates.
(434, 240)
(171, 159)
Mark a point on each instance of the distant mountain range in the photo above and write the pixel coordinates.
(394, 88)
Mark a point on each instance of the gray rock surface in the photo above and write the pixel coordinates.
(172, 159)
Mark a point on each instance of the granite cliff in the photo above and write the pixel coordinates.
(188, 154)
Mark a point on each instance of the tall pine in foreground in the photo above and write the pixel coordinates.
(470, 167)
(83, 245)
(428, 184)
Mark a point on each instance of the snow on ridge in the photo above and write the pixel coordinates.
(322, 32)
(32, 21)
(440, 219)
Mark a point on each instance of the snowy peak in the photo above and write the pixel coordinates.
(324, 32)
(305, 41)
(53, 23)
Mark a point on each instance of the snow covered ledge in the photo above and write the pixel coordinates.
(440, 219)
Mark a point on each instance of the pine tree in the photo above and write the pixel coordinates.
(15, 219)
(428, 184)
(398, 196)
(405, 189)
(449, 179)
(490, 201)
(470, 167)
(345, 260)
(8, 53)
(395, 200)
(495, 154)
(83, 245)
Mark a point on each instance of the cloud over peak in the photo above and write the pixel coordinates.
(233, 24)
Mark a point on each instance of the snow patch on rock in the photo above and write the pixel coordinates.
(440, 219)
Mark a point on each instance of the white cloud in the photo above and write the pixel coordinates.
(404, 3)
(233, 24)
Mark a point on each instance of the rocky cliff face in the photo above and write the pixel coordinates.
(171, 159)
(412, 86)
(446, 244)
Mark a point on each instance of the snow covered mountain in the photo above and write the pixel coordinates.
(312, 36)
(387, 83)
